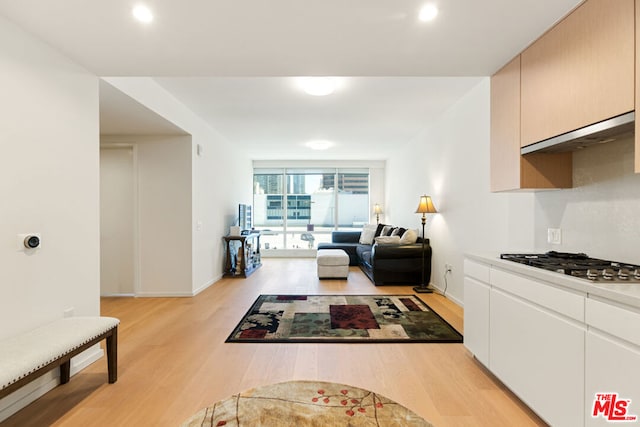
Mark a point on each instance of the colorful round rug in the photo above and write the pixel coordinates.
(306, 403)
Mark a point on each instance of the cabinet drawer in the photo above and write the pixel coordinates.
(563, 302)
(614, 320)
(476, 270)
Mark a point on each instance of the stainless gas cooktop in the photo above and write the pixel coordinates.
(580, 265)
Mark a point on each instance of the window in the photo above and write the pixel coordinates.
(298, 208)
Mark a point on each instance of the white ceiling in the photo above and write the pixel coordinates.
(228, 61)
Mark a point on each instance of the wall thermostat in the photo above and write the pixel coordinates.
(27, 242)
(31, 241)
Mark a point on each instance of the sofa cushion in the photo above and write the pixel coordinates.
(364, 254)
(345, 236)
(386, 230)
(388, 240)
(409, 237)
(368, 233)
(398, 231)
(379, 229)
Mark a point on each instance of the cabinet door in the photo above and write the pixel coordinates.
(611, 367)
(540, 357)
(510, 170)
(580, 72)
(476, 319)
(505, 127)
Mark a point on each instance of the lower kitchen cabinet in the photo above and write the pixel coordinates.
(612, 361)
(612, 367)
(476, 319)
(556, 346)
(540, 356)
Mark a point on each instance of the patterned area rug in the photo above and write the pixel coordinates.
(342, 318)
(306, 403)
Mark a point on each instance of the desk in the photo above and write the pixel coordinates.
(243, 255)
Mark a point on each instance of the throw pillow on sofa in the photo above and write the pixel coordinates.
(398, 231)
(386, 230)
(388, 240)
(409, 237)
(368, 233)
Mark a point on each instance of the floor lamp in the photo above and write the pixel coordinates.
(377, 210)
(425, 207)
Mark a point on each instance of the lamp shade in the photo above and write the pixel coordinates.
(377, 209)
(426, 205)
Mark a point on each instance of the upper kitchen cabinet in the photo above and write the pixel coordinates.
(580, 72)
(510, 170)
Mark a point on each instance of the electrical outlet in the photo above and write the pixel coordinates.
(447, 268)
(554, 236)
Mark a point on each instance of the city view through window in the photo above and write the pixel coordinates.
(299, 209)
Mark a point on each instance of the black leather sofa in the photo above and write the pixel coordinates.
(384, 264)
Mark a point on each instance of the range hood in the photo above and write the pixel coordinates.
(618, 127)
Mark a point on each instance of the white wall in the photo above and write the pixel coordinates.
(601, 214)
(165, 202)
(48, 184)
(450, 162)
(221, 178)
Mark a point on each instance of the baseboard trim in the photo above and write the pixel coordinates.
(447, 296)
(119, 295)
(206, 285)
(164, 294)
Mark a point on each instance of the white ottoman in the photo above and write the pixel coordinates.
(332, 264)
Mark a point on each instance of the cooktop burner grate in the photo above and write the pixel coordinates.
(579, 265)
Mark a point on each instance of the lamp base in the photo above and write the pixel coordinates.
(423, 290)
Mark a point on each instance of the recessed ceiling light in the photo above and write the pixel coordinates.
(428, 12)
(142, 13)
(320, 144)
(318, 86)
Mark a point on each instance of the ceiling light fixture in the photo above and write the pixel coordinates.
(428, 12)
(142, 13)
(320, 144)
(318, 86)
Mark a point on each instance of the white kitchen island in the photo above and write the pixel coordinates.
(554, 340)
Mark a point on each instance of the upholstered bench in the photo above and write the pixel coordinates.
(332, 264)
(26, 356)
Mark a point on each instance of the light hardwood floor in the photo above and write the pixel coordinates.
(173, 360)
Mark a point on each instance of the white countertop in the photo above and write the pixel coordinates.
(623, 293)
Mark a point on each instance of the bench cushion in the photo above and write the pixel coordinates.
(25, 353)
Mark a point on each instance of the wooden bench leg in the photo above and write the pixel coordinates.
(65, 372)
(112, 356)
